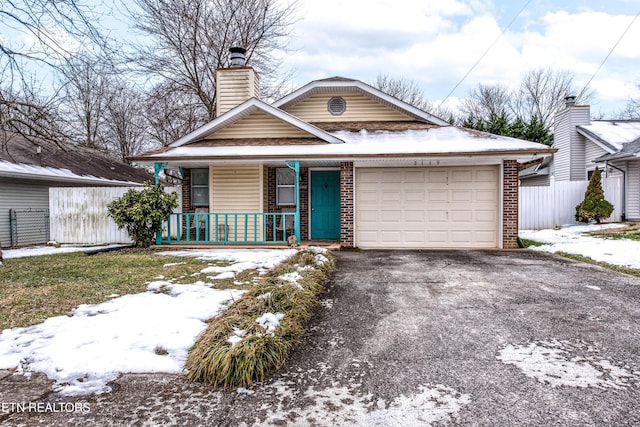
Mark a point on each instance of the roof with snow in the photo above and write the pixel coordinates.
(612, 135)
(39, 159)
(436, 141)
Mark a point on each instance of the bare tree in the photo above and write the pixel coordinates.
(632, 109)
(403, 89)
(85, 93)
(409, 91)
(487, 101)
(55, 27)
(170, 114)
(190, 40)
(542, 92)
(125, 125)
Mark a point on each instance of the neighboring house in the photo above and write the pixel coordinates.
(343, 161)
(583, 144)
(29, 167)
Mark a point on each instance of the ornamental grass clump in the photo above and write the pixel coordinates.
(255, 334)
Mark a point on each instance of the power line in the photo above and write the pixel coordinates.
(504, 30)
(624, 33)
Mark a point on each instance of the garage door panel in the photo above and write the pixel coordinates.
(414, 196)
(488, 196)
(438, 196)
(415, 177)
(427, 207)
(462, 196)
(368, 197)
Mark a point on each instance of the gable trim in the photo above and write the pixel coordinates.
(605, 145)
(319, 85)
(246, 109)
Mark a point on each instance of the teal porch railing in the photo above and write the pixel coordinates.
(227, 227)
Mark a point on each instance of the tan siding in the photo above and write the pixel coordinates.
(359, 108)
(234, 86)
(237, 189)
(260, 125)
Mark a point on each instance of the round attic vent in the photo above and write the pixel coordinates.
(337, 105)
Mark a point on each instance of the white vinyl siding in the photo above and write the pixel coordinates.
(444, 207)
(359, 108)
(592, 152)
(633, 191)
(237, 189)
(569, 161)
(260, 125)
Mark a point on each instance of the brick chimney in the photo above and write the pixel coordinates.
(235, 84)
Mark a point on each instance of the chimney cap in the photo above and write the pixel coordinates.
(570, 100)
(237, 57)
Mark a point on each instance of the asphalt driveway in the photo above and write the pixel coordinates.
(416, 338)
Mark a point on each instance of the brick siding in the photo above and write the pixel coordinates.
(510, 204)
(272, 206)
(346, 204)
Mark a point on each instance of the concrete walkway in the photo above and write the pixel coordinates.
(491, 338)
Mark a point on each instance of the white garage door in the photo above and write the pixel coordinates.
(442, 207)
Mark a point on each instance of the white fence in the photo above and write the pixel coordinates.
(555, 205)
(78, 215)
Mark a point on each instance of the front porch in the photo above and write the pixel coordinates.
(258, 204)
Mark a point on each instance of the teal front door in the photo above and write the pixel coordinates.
(325, 204)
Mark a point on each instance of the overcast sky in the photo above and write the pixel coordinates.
(436, 42)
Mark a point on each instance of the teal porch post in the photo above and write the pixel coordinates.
(295, 165)
(158, 167)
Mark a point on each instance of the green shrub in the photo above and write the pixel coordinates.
(217, 361)
(142, 212)
(594, 206)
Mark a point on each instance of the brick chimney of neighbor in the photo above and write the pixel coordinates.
(235, 84)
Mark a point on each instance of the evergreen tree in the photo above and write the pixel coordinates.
(594, 206)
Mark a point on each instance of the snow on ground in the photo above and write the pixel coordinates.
(564, 363)
(49, 250)
(146, 332)
(574, 240)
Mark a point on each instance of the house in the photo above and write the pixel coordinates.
(611, 145)
(30, 166)
(339, 160)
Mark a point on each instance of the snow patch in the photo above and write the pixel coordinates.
(564, 363)
(270, 321)
(292, 278)
(574, 240)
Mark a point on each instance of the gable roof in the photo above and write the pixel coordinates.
(39, 159)
(344, 84)
(611, 135)
(411, 143)
(244, 110)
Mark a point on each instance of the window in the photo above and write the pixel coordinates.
(285, 186)
(199, 187)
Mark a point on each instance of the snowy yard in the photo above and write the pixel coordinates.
(575, 240)
(145, 332)
(152, 331)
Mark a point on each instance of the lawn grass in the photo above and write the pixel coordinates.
(626, 231)
(33, 289)
(618, 268)
(528, 243)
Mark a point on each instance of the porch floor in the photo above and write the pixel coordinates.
(331, 245)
